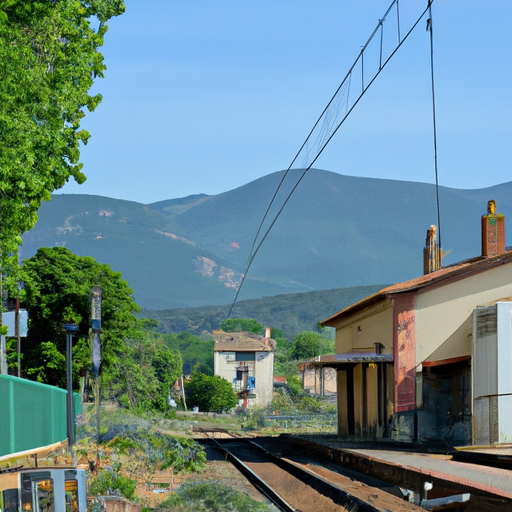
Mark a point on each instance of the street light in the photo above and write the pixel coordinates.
(70, 330)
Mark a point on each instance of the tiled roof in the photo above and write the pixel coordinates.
(459, 270)
(242, 342)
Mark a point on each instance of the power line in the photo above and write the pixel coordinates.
(430, 28)
(325, 133)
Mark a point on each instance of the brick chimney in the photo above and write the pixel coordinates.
(493, 231)
(267, 332)
(431, 252)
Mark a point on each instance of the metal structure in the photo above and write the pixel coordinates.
(375, 54)
(43, 490)
(70, 330)
(27, 419)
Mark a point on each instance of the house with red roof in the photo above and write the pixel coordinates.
(431, 358)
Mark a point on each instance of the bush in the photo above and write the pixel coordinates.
(256, 419)
(108, 482)
(178, 453)
(310, 405)
(295, 385)
(210, 393)
(281, 404)
(210, 497)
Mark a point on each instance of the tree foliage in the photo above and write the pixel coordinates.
(308, 344)
(242, 325)
(48, 60)
(197, 354)
(210, 393)
(57, 290)
(142, 378)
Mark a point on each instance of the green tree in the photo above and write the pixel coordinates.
(48, 61)
(242, 325)
(308, 344)
(210, 393)
(143, 377)
(57, 288)
(195, 352)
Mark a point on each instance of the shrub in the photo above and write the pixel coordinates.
(210, 497)
(108, 482)
(256, 419)
(295, 385)
(310, 405)
(210, 393)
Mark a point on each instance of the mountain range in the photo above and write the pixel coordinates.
(335, 231)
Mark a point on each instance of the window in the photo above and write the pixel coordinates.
(71, 494)
(246, 356)
(37, 492)
(9, 500)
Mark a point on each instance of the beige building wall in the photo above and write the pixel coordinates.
(225, 365)
(444, 324)
(371, 383)
(312, 380)
(264, 378)
(362, 331)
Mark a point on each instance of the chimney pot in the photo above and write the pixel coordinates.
(431, 252)
(493, 231)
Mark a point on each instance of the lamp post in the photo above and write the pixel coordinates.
(70, 330)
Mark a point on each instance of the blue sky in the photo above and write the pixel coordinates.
(203, 97)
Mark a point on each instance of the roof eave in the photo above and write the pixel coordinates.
(470, 266)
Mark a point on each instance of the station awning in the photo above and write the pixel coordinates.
(336, 360)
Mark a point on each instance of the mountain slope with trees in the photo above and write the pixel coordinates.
(336, 231)
(291, 313)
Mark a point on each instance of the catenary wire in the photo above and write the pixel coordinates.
(430, 28)
(255, 248)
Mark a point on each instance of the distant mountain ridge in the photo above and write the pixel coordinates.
(290, 312)
(336, 231)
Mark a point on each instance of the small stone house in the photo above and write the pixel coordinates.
(247, 361)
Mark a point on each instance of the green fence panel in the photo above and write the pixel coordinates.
(32, 415)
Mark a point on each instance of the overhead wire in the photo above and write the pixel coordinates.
(324, 138)
(430, 28)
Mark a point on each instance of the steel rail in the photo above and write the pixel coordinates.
(334, 492)
(255, 480)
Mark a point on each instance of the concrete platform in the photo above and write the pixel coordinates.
(409, 468)
(490, 480)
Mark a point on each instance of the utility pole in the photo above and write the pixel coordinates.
(70, 329)
(96, 296)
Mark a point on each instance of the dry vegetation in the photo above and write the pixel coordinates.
(147, 458)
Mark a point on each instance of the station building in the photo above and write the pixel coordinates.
(431, 358)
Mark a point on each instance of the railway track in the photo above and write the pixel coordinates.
(295, 486)
(296, 478)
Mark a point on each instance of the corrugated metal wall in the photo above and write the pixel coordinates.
(31, 415)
